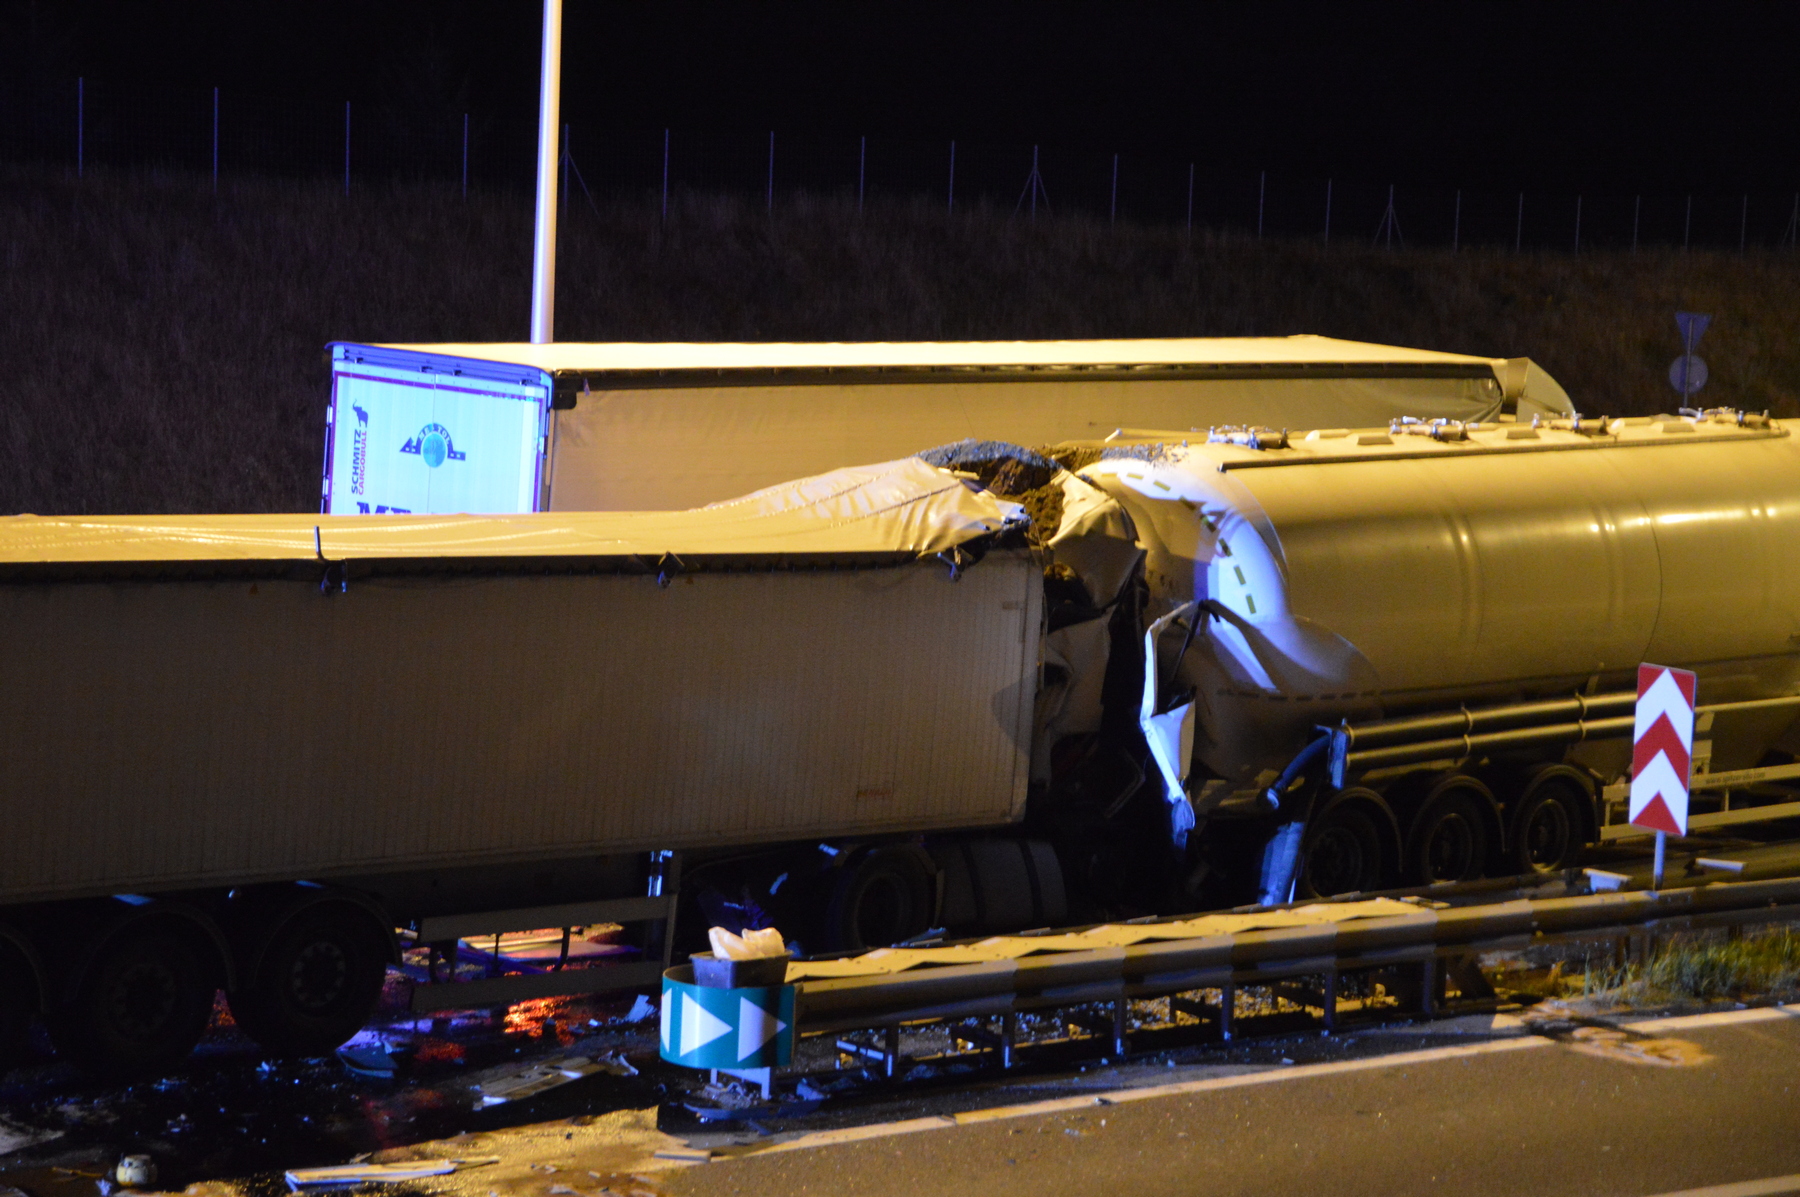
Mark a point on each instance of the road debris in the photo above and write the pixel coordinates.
(534, 1079)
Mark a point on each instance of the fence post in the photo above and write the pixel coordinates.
(346, 147)
(80, 126)
(952, 205)
(1190, 207)
(215, 148)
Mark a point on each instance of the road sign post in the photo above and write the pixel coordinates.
(1662, 755)
(1687, 373)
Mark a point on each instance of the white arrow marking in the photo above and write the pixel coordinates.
(1664, 697)
(699, 1026)
(668, 1011)
(756, 1027)
(1659, 777)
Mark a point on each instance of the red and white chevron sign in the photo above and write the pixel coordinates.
(1662, 751)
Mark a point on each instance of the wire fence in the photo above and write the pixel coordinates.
(88, 123)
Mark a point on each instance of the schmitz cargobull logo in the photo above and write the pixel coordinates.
(434, 445)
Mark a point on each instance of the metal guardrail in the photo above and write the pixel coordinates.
(1169, 968)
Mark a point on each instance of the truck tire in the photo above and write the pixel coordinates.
(886, 896)
(140, 1006)
(1547, 826)
(1449, 840)
(316, 982)
(998, 885)
(1343, 853)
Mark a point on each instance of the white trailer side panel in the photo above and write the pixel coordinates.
(665, 448)
(173, 733)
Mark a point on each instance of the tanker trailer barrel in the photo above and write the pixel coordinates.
(1462, 747)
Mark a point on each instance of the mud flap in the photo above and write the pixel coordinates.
(1281, 859)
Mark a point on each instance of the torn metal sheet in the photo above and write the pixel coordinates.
(352, 1174)
(534, 1079)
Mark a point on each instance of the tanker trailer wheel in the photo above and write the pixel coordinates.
(315, 984)
(885, 897)
(1343, 853)
(1547, 827)
(141, 1006)
(1449, 840)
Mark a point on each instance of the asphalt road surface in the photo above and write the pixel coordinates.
(1663, 1107)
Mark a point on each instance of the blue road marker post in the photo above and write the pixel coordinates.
(731, 1030)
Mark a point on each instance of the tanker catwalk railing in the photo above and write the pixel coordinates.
(1415, 946)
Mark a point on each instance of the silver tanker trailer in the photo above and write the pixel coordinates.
(1412, 649)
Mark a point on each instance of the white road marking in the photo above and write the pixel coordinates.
(1773, 1186)
(1119, 1096)
(1651, 1026)
(1722, 1018)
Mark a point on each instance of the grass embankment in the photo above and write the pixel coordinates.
(161, 348)
(1765, 966)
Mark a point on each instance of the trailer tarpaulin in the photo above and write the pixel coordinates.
(894, 508)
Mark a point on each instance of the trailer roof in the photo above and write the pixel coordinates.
(892, 510)
(569, 357)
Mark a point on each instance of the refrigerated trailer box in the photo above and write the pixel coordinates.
(501, 428)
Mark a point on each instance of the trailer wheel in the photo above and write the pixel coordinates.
(1547, 827)
(1343, 853)
(315, 984)
(1449, 840)
(141, 1007)
(885, 897)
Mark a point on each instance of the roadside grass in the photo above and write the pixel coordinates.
(162, 348)
(1763, 965)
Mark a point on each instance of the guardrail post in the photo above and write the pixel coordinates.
(1009, 1035)
(1227, 1010)
(1328, 1001)
(1428, 983)
(1121, 1009)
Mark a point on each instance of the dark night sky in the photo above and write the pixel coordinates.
(1702, 96)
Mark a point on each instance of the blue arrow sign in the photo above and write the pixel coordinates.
(704, 1027)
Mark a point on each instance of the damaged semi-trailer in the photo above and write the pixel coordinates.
(983, 688)
(242, 750)
(1408, 654)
